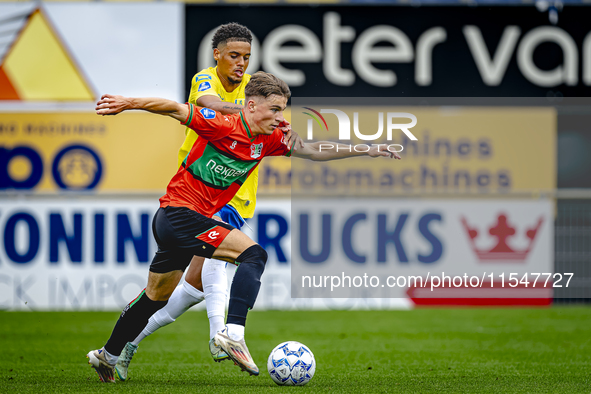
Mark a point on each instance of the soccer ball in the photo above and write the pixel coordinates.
(291, 364)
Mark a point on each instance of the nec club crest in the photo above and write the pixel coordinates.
(504, 231)
(256, 150)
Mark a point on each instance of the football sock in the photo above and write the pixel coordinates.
(215, 287)
(112, 360)
(216, 324)
(132, 321)
(182, 298)
(195, 295)
(246, 283)
(235, 331)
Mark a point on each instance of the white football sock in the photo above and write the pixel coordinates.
(235, 331)
(182, 298)
(215, 287)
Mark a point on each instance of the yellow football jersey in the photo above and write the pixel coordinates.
(207, 83)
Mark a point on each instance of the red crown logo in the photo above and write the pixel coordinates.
(502, 251)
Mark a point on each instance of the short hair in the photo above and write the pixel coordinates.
(264, 84)
(231, 32)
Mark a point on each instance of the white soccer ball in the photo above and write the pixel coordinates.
(291, 364)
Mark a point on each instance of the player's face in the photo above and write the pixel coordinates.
(232, 59)
(267, 113)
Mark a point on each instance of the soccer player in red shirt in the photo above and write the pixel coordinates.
(228, 150)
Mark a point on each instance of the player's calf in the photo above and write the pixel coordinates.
(246, 283)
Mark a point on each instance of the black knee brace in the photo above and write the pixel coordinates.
(255, 254)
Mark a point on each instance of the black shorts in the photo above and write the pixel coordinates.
(182, 233)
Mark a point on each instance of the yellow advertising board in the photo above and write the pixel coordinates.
(458, 150)
(50, 152)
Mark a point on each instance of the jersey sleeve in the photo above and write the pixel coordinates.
(277, 147)
(207, 123)
(203, 84)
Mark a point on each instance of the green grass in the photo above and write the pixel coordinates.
(424, 350)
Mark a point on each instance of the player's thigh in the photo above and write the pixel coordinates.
(193, 276)
(182, 233)
(233, 245)
(161, 285)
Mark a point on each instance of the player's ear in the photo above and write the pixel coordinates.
(251, 104)
(216, 54)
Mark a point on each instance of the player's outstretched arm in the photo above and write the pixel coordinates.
(215, 103)
(113, 105)
(328, 150)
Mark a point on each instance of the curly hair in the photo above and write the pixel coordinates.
(231, 32)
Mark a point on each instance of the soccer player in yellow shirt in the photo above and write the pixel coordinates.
(220, 88)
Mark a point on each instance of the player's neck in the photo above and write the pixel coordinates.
(254, 130)
(228, 86)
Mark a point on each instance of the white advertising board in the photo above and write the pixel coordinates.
(93, 254)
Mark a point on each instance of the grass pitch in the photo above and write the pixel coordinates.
(424, 350)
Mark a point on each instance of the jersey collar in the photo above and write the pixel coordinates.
(245, 124)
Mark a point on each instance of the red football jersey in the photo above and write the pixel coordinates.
(220, 161)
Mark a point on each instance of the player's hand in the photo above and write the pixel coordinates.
(291, 138)
(112, 105)
(382, 151)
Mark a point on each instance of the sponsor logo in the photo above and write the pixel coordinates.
(256, 150)
(75, 167)
(43, 50)
(204, 86)
(202, 77)
(207, 113)
(519, 42)
(239, 353)
(502, 230)
(224, 170)
(213, 234)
